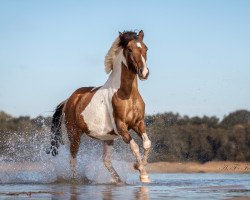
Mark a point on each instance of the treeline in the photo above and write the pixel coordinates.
(181, 138)
(22, 124)
(174, 137)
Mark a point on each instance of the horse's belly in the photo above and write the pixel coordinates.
(97, 117)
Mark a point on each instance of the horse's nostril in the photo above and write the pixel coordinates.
(140, 71)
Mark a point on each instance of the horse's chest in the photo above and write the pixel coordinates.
(98, 115)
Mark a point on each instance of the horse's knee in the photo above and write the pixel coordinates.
(134, 147)
(146, 141)
(126, 138)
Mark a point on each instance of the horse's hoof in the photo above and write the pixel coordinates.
(117, 181)
(145, 179)
(120, 183)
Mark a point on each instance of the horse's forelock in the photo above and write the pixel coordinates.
(126, 37)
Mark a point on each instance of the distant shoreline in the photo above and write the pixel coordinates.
(156, 167)
(194, 167)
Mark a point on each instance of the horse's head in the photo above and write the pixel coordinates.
(135, 52)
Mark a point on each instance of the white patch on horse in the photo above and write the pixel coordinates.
(98, 115)
(145, 67)
(138, 45)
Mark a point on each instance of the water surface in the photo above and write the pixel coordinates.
(163, 186)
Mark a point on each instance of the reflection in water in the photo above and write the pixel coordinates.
(73, 192)
(141, 193)
(107, 193)
(104, 192)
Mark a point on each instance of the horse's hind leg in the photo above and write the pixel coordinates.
(107, 151)
(75, 139)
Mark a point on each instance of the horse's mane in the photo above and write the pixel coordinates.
(112, 53)
(120, 42)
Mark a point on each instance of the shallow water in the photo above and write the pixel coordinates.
(163, 186)
(26, 171)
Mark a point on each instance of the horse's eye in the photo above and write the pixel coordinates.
(129, 50)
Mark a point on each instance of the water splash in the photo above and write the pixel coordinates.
(24, 160)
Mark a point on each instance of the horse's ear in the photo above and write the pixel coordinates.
(120, 34)
(140, 35)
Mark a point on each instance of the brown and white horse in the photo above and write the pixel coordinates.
(108, 112)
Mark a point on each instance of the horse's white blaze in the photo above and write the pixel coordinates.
(138, 45)
(98, 115)
(146, 141)
(145, 67)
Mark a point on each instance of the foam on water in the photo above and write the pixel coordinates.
(26, 161)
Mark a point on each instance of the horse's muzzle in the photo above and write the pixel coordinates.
(143, 76)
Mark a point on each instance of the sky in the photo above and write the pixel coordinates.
(199, 52)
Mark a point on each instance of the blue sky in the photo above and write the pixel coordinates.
(199, 52)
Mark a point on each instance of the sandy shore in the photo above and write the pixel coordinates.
(157, 167)
(193, 167)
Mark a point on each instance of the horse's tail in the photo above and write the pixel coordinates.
(56, 131)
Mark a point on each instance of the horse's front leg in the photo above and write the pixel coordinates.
(107, 152)
(123, 131)
(141, 131)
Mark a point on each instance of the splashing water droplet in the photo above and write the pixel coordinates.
(24, 160)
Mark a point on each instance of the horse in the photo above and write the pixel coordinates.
(110, 111)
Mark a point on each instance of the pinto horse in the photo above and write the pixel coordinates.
(108, 112)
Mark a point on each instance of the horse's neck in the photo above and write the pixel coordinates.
(114, 80)
(121, 78)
